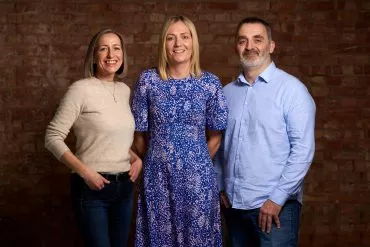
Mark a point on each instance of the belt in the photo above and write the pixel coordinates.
(115, 177)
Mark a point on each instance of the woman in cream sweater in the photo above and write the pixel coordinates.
(104, 167)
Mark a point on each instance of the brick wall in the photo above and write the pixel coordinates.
(323, 42)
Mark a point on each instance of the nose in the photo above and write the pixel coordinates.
(177, 41)
(248, 45)
(109, 52)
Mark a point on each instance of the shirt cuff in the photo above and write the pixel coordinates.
(279, 197)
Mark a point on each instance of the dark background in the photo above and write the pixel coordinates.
(325, 43)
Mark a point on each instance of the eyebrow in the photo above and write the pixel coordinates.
(257, 36)
(112, 45)
(180, 33)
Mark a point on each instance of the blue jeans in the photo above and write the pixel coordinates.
(244, 231)
(104, 216)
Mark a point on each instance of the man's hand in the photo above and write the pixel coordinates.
(224, 200)
(268, 212)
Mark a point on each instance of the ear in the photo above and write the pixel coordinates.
(272, 46)
(236, 49)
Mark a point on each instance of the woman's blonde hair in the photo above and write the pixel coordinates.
(90, 65)
(162, 54)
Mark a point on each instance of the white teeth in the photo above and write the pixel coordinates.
(111, 61)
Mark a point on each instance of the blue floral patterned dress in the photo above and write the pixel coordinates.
(178, 203)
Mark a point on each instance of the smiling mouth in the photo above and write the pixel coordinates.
(111, 61)
(250, 53)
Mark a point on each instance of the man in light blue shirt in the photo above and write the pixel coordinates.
(268, 145)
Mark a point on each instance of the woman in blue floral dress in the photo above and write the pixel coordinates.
(179, 113)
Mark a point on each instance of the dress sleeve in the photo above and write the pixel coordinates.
(217, 111)
(67, 113)
(140, 104)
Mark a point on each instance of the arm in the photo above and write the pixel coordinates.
(140, 110)
(136, 166)
(140, 143)
(219, 162)
(93, 179)
(58, 129)
(216, 116)
(300, 122)
(213, 141)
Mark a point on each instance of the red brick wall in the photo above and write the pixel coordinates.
(323, 42)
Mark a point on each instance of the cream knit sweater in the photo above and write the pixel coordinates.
(103, 128)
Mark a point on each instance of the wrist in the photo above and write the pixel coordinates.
(83, 172)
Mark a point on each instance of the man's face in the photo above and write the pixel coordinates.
(253, 46)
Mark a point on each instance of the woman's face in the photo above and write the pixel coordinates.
(179, 44)
(108, 56)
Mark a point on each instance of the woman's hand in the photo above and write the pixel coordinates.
(224, 200)
(136, 166)
(94, 180)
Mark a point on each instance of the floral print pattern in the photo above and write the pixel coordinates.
(178, 201)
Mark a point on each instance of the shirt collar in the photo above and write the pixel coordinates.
(265, 76)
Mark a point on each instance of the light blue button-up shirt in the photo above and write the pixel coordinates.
(269, 142)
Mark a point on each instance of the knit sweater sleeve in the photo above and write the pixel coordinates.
(67, 113)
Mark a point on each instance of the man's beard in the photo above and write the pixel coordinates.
(256, 61)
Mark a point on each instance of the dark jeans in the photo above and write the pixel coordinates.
(104, 216)
(244, 231)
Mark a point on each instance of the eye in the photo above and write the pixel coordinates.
(117, 48)
(102, 48)
(186, 37)
(169, 38)
(241, 41)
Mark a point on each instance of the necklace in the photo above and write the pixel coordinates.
(107, 87)
(114, 92)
